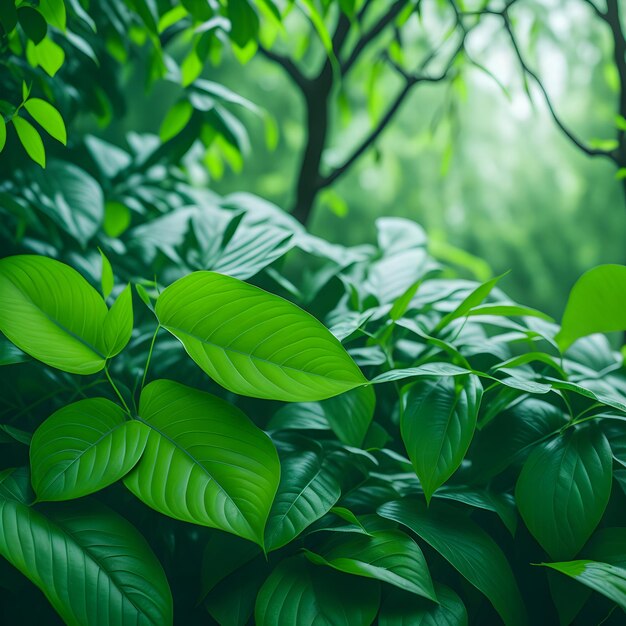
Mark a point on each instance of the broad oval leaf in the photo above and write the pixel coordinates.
(309, 487)
(48, 117)
(437, 426)
(596, 304)
(254, 343)
(604, 578)
(84, 447)
(205, 462)
(48, 310)
(390, 556)
(564, 488)
(297, 592)
(468, 548)
(92, 565)
(402, 609)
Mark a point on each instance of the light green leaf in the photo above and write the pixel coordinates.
(48, 310)
(30, 139)
(117, 218)
(606, 579)
(118, 324)
(350, 414)
(90, 563)
(468, 548)
(82, 448)
(390, 556)
(596, 304)
(54, 12)
(297, 592)
(309, 487)
(107, 281)
(3, 133)
(437, 427)
(47, 53)
(402, 609)
(48, 117)
(175, 120)
(507, 310)
(564, 488)
(255, 343)
(205, 462)
(428, 369)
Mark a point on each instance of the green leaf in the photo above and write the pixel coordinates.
(402, 609)
(8, 15)
(468, 548)
(428, 369)
(82, 448)
(437, 427)
(309, 487)
(564, 488)
(175, 120)
(47, 54)
(507, 310)
(608, 545)
(107, 281)
(205, 462)
(254, 343)
(48, 117)
(401, 305)
(90, 563)
(118, 324)
(244, 22)
(32, 22)
(350, 414)
(3, 133)
(297, 592)
(48, 310)
(117, 218)
(54, 12)
(596, 304)
(30, 139)
(606, 579)
(390, 556)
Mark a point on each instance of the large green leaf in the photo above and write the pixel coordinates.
(606, 579)
(402, 609)
(255, 343)
(350, 414)
(309, 487)
(205, 462)
(91, 564)
(82, 448)
(298, 592)
(468, 548)
(437, 427)
(51, 312)
(564, 488)
(596, 304)
(387, 555)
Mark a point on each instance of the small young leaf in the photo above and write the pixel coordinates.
(48, 117)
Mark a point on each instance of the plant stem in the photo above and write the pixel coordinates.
(117, 391)
(145, 369)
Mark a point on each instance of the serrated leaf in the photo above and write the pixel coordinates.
(468, 548)
(255, 343)
(297, 592)
(564, 488)
(30, 140)
(51, 312)
(205, 462)
(48, 118)
(82, 448)
(92, 565)
(390, 556)
(437, 427)
(118, 324)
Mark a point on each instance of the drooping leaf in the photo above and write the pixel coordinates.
(205, 462)
(255, 343)
(606, 579)
(390, 556)
(51, 312)
(91, 564)
(564, 488)
(596, 304)
(309, 487)
(30, 139)
(437, 427)
(48, 118)
(297, 592)
(468, 548)
(82, 448)
(403, 609)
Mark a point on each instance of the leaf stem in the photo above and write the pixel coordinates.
(117, 391)
(145, 369)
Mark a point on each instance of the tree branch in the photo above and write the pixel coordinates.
(289, 66)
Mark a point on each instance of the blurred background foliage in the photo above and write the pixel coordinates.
(476, 159)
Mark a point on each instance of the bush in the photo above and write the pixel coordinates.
(211, 445)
